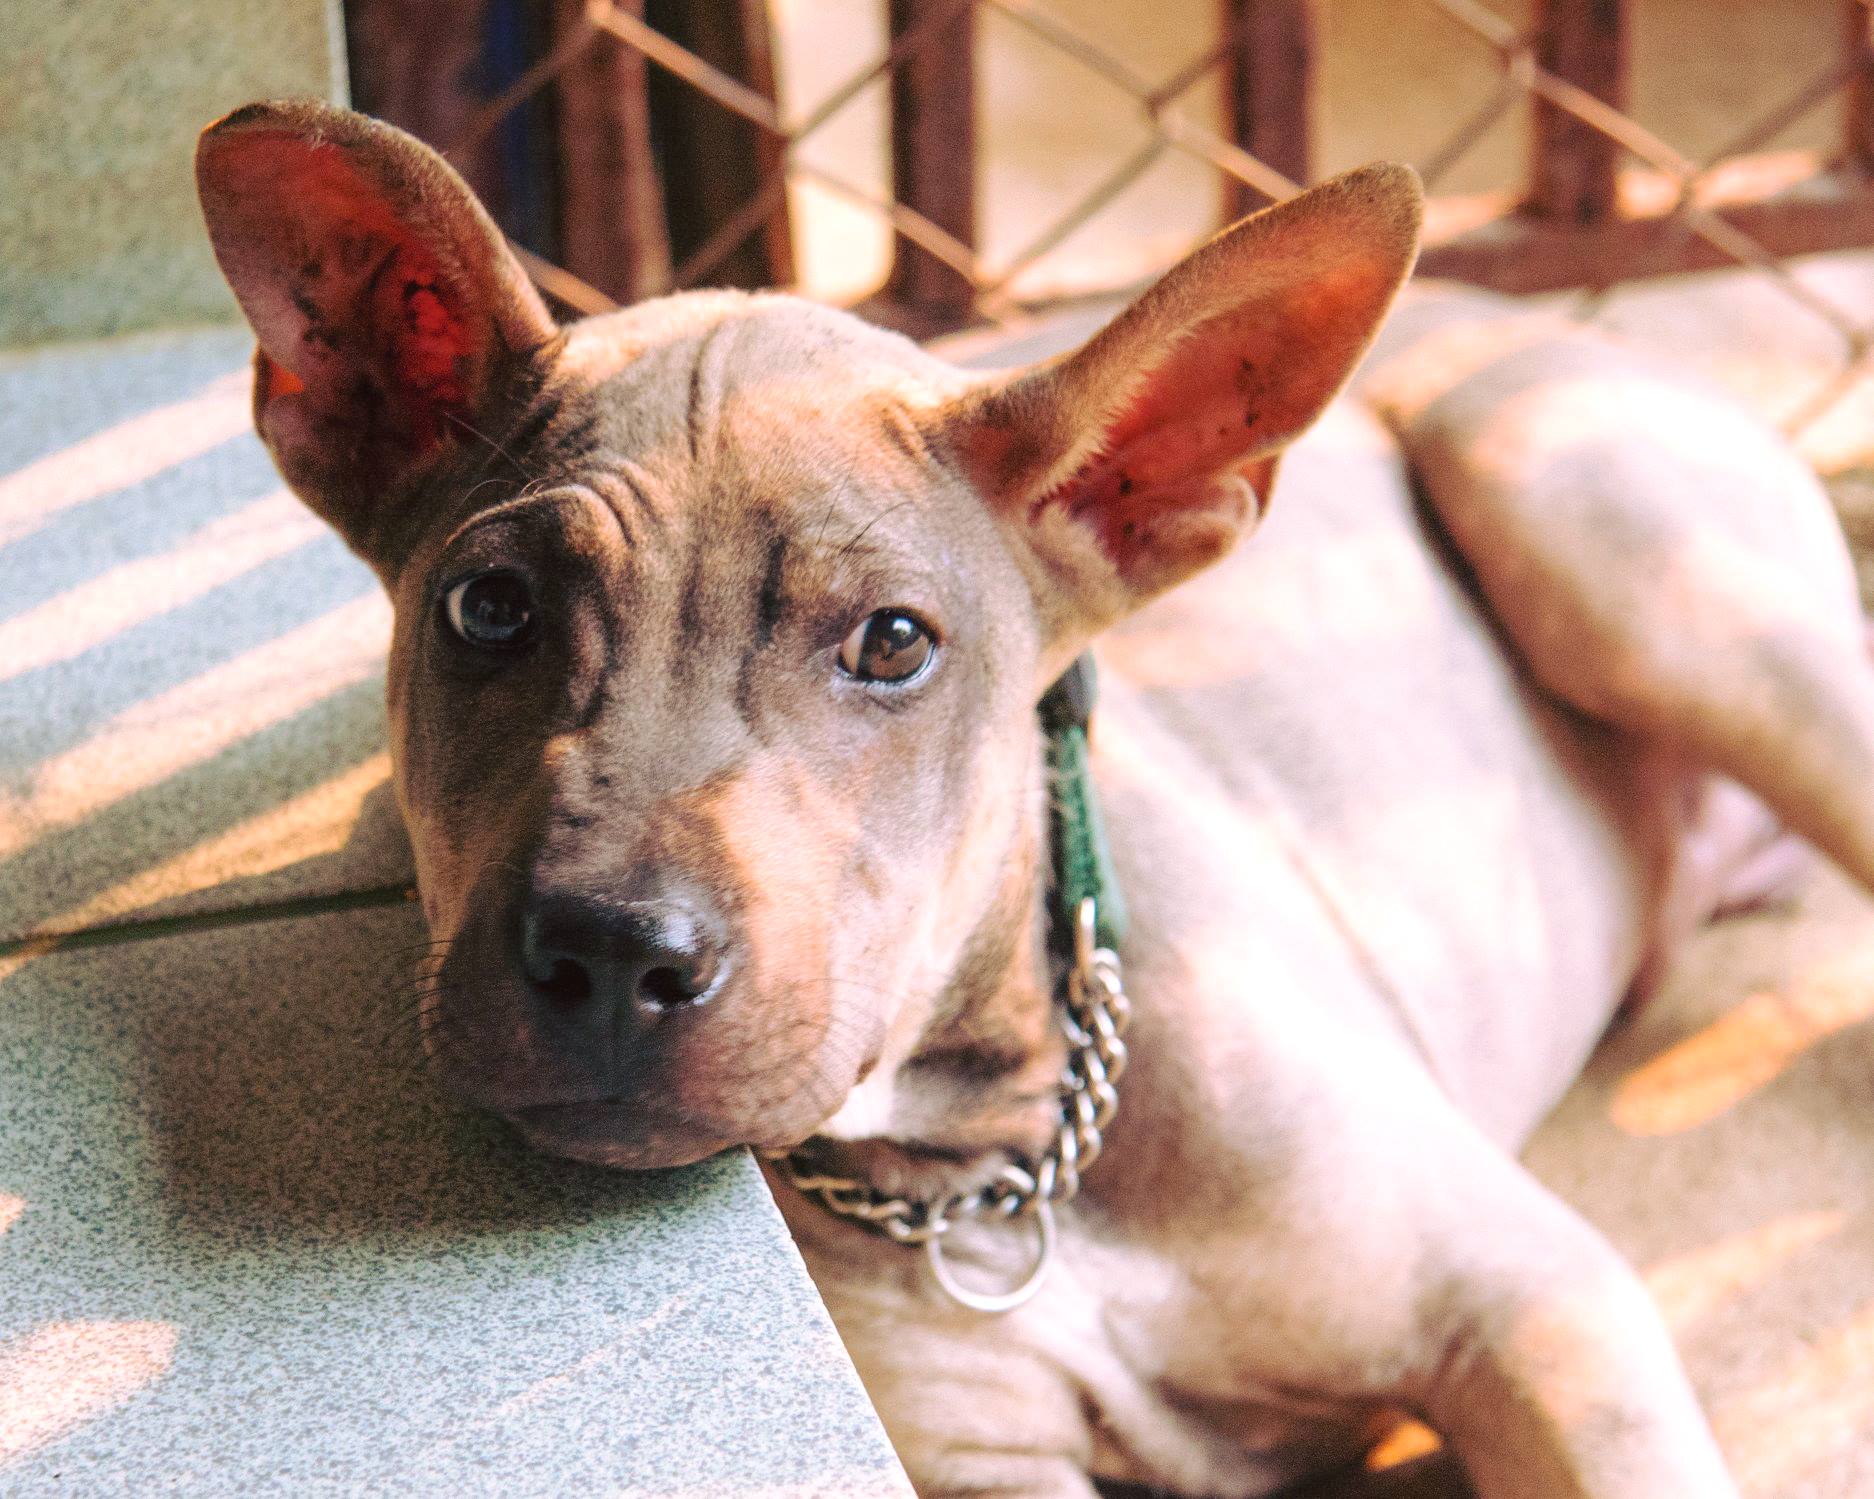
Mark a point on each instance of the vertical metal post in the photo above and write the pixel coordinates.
(933, 158)
(417, 63)
(1574, 170)
(1858, 103)
(611, 209)
(1268, 82)
(714, 161)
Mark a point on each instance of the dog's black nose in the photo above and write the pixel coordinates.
(585, 954)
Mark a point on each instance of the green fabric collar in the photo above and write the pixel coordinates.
(1083, 860)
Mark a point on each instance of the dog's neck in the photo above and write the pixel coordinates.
(982, 1085)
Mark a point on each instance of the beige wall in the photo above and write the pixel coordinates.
(99, 108)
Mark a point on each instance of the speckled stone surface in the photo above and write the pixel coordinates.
(246, 1248)
(99, 231)
(191, 679)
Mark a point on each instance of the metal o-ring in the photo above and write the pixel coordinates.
(997, 1301)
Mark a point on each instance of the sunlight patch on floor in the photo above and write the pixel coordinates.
(1806, 1412)
(67, 1373)
(1691, 1285)
(153, 740)
(1738, 1054)
(127, 595)
(316, 823)
(122, 455)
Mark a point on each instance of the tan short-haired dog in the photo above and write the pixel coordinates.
(721, 627)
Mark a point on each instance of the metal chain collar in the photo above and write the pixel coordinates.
(1093, 1013)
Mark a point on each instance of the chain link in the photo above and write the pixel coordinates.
(1170, 116)
(1094, 1013)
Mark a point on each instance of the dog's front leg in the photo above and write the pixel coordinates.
(1554, 1375)
(1405, 1259)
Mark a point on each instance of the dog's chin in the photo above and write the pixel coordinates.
(602, 1133)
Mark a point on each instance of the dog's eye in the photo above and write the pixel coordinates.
(491, 610)
(888, 646)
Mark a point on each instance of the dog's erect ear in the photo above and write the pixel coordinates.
(386, 303)
(1134, 461)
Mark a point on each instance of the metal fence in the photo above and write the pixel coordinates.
(635, 147)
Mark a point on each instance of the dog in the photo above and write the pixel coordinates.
(722, 623)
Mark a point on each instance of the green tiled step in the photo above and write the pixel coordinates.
(245, 1247)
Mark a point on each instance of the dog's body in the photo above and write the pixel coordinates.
(1406, 795)
(1388, 893)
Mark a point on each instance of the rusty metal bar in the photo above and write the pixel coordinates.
(1752, 225)
(703, 76)
(1268, 90)
(1858, 103)
(1676, 230)
(459, 143)
(1161, 112)
(932, 238)
(1206, 145)
(933, 157)
(717, 159)
(564, 285)
(1574, 168)
(703, 261)
(611, 207)
(1567, 96)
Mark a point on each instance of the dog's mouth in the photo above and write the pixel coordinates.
(608, 1132)
(686, 1089)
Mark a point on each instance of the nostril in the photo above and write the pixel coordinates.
(566, 983)
(666, 988)
(584, 956)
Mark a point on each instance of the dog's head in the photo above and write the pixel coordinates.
(721, 620)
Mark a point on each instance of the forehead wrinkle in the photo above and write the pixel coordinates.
(905, 435)
(708, 386)
(757, 414)
(825, 576)
(623, 482)
(521, 507)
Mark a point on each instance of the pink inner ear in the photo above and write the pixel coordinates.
(434, 343)
(1242, 383)
(345, 292)
(1201, 406)
(425, 345)
(1201, 412)
(1230, 393)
